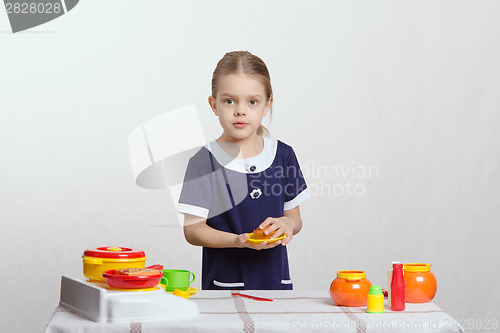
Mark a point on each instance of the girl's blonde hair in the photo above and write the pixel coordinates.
(236, 62)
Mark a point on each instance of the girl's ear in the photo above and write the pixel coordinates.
(269, 104)
(213, 105)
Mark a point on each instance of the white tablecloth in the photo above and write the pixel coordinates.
(297, 310)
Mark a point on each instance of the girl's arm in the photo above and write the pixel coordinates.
(197, 232)
(294, 216)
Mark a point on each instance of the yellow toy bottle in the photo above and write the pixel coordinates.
(375, 301)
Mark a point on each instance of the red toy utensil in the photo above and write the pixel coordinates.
(253, 297)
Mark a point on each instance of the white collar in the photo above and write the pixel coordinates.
(253, 164)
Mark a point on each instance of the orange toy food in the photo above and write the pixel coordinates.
(136, 271)
(259, 233)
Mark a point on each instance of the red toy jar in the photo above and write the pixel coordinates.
(350, 288)
(420, 283)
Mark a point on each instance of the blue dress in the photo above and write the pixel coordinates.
(237, 195)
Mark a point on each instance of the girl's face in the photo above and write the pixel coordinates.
(240, 104)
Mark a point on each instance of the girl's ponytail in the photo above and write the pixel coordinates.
(262, 131)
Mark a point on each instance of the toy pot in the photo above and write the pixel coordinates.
(101, 259)
(420, 283)
(350, 288)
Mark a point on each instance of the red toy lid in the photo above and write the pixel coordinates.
(114, 252)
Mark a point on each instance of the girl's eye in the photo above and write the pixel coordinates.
(229, 101)
(253, 102)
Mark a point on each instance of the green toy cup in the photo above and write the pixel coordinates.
(177, 279)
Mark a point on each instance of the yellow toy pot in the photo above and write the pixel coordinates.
(100, 259)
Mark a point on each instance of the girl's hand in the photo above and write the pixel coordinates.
(279, 226)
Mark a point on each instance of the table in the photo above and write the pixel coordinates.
(291, 310)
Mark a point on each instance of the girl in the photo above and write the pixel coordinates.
(242, 181)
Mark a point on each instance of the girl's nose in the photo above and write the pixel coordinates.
(240, 110)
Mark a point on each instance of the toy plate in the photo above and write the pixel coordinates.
(133, 281)
(253, 240)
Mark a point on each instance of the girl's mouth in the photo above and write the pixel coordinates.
(240, 125)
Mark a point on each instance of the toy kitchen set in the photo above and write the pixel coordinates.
(119, 288)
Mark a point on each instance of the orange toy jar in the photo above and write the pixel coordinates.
(420, 283)
(350, 288)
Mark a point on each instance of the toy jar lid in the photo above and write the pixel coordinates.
(114, 252)
(351, 275)
(417, 267)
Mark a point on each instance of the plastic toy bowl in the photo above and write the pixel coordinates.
(420, 283)
(350, 288)
(133, 282)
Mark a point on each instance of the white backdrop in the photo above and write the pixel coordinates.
(391, 107)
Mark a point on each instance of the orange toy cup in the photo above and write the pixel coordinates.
(420, 283)
(350, 288)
